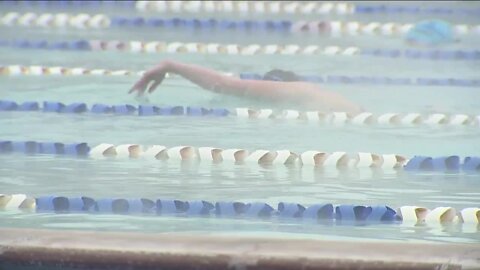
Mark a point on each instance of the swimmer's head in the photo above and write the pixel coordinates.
(281, 75)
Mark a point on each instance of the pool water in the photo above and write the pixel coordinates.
(41, 175)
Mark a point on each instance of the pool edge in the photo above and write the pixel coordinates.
(101, 250)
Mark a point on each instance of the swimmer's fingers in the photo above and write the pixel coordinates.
(159, 77)
(140, 90)
(139, 86)
(135, 87)
(156, 75)
(154, 85)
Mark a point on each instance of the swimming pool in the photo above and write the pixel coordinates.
(42, 175)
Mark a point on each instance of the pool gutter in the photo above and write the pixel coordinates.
(60, 249)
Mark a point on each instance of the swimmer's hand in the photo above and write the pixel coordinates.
(152, 77)
(142, 99)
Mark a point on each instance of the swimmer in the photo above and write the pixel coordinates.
(278, 86)
(431, 33)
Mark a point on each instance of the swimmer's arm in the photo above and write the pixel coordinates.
(217, 82)
(206, 78)
(220, 83)
(305, 93)
(300, 92)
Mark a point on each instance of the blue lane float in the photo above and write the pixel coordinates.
(178, 207)
(424, 163)
(28, 106)
(58, 107)
(471, 164)
(365, 213)
(51, 106)
(27, 147)
(290, 210)
(319, 211)
(450, 163)
(125, 206)
(377, 80)
(50, 148)
(53, 148)
(101, 108)
(169, 207)
(229, 209)
(7, 105)
(75, 108)
(172, 110)
(199, 208)
(419, 163)
(197, 111)
(124, 109)
(76, 149)
(203, 24)
(144, 110)
(64, 204)
(258, 210)
(235, 209)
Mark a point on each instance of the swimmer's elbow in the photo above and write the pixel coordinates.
(356, 110)
(350, 107)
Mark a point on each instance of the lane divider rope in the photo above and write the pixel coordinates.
(235, 49)
(102, 21)
(17, 70)
(330, 118)
(237, 209)
(334, 160)
(342, 79)
(251, 7)
(290, 8)
(69, 3)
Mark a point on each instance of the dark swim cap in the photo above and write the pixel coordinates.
(281, 75)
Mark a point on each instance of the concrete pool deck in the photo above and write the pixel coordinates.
(65, 249)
